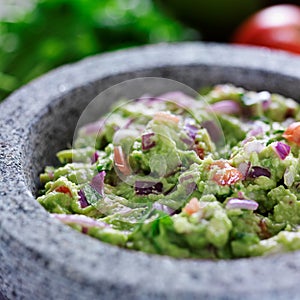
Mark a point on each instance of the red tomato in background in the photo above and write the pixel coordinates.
(292, 133)
(274, 27)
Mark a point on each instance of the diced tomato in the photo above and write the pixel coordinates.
(275, 27)
(63, 189)
(199, 151)
(164, 116)
(120, 161)
(225, 173)
(292, 133)
(264, 233)
(192, 206)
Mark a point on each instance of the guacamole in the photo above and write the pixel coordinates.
(216, 177)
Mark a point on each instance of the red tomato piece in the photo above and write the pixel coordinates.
(292, 133)
(275, 27)
(120, 161)
(64, 189)
(192, 206)
(225, 173)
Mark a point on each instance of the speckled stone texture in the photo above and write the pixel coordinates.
(41, 258)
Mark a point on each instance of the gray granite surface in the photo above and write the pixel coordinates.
(41, 258)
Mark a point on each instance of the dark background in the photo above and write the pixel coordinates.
(37, 36)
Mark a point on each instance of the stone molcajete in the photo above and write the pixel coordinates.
(41, 258)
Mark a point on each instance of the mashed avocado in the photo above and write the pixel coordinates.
(214, 177)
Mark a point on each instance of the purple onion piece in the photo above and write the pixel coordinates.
(213, 130)
(97, 183)
(80, 220)
(244, 168)
(247, 140)
(282, 150)
(51, 175)
(235, 203)
(148, 100)
(82, 199)
(178, 97)
(191, 129)
(241, 195)
(257, 171)
(94, 157)
(265, 98)
(147, 141)
(188, 182)
(258, 130)
(190, 187)
(93, 128)
(147, 187)
(226, 107)
(189, 142)
(143, 98)
(127, 125)
(168, 210)
(266, 104)
(185, 178)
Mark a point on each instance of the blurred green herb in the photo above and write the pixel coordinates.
(56, 32)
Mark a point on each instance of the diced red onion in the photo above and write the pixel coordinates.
(80, 220)
(241, 195)
(213, 130)
(178, 97)
(51, 175)
(282, 150)
(147, 141)
(173, 171)
(185, 178)
(258, 130)
(226, 107)
(188, 141)
(127, 125)
(247, 140)
(265, 98)
(97, 183)
(143, 98)
(94, 127)
(254, 146)
(257, 171)
(82, 199)
(147, 187)
(168, 210)
(244, 168)
(266, 105)
(189, 186)
(236, 203)
(148, 99)
(94, 157)
(191, 129)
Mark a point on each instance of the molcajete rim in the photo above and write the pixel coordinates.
(41, 258)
